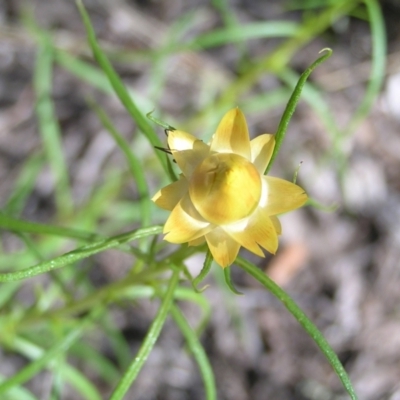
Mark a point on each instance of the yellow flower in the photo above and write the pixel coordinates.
(222, 195)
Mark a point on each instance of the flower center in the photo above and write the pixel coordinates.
(225, 188)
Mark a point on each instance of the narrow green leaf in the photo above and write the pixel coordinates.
(60, 347)
(187, 294)
(261, 103)
(291, 105)
(7, 292)
(149, 341)
(197, 351)
(48, 125)
(204, 272)
(255, 30)
(79, 254)
(24, 184)
(18, 225)
(157, 121)
(135, 167)
(118, 342)
(316, 101)
(378, 69)
(119, 87)
(303, 320)
(83, 70)
(18, 392)
(60, 373)
(229, 283)
(277, 59)
(80, 383)
(92, 75)
(96, 361)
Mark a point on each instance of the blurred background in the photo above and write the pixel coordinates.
(191, 61)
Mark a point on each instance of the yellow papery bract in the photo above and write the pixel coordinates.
(188, 151)
(283, 196)
(261, 151)
(222, 196)
(223, 248)
(197, 242)
(169, 196)
(185, 223)
(179, 140)
(232, 135)
(259, 231)
(277, 224)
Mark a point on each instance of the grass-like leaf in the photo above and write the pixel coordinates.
(303, 320)
(149, 341)
(274, 61)
(79, 254)
(119, 87)
(24, 184)
(98, 362)
(21, 226)
(204, 271)
(18, 392)
(50, 355)
(229, 283)
(291, 105)
(48, 124)
(255, 30)
(378, 69)
(198, 352)
(134, 164)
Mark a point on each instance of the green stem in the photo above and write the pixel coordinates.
(79, 254)
(149, 340)
(303, 320)
(197, 351)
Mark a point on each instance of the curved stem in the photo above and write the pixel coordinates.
(303, 320)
